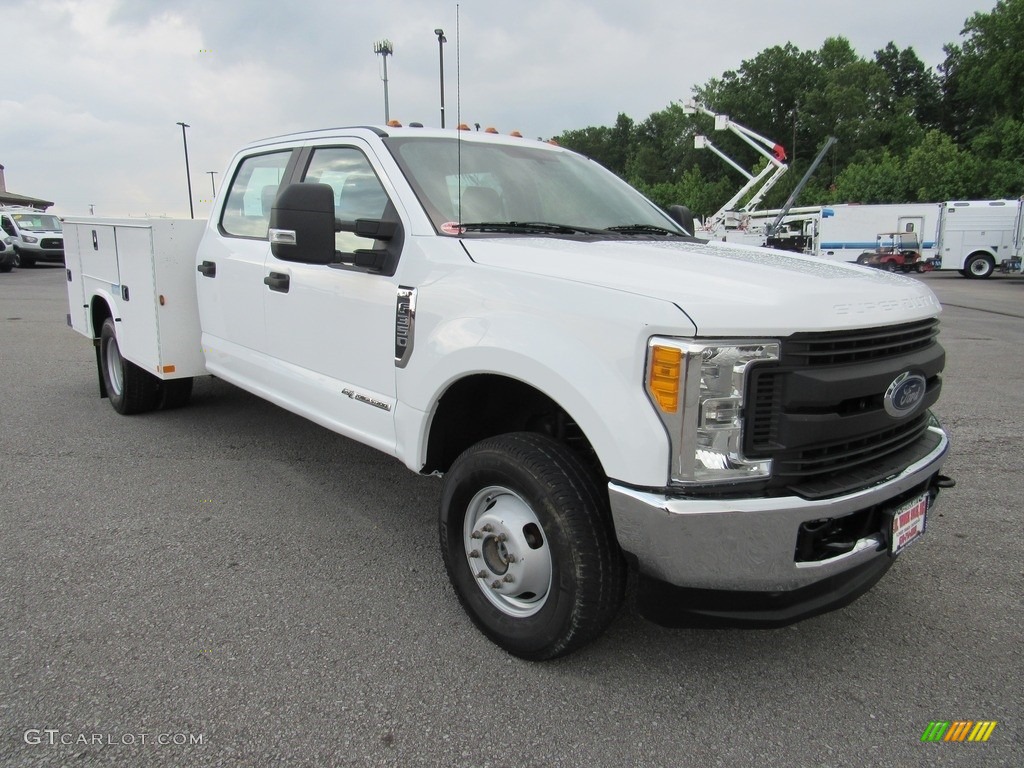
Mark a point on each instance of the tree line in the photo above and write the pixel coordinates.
(905, 133)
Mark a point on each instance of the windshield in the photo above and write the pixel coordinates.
(37, 222)
(523, 185)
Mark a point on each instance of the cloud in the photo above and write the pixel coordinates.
(91, 117)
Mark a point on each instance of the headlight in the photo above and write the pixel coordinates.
(697, 389)
(30, 239)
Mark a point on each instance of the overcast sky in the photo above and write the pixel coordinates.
(93, 88)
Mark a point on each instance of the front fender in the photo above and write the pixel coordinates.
(583, 347)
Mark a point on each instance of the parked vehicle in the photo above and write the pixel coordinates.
(747, 429)
(844, 232)
(8, 256)
(978, 236)
(37, 236)
(896, 252)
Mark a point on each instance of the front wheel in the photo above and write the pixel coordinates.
(23, 260)
(527, 539)
(979, 265)
(129, 388)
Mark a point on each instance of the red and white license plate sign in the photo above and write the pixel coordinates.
(908, 523)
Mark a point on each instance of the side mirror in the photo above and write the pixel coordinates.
(302, 224)
(370, 228)
(683, 216)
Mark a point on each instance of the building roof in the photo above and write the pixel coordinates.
(9, 198)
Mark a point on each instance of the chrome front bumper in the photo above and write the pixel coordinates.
(749, 544)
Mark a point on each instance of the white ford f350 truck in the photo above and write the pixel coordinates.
(749, 430)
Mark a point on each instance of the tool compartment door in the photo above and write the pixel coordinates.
(137, 335)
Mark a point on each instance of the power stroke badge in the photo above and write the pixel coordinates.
(904, 394)
(405, 324)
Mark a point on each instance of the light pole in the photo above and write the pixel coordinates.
(188, 174)
(212, 185)
(440, 53)
(385, 49)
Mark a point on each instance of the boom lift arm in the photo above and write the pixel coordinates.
(767, 178)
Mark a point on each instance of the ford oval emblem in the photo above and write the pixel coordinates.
(904, 394)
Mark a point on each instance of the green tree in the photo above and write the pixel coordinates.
(608, 146)
(877, 178)
(662, 147)
(766, 94)
(937, 169)
(914, 89)
(983, 77)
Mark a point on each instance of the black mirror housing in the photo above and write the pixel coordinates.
(683, 216)
(375, 229)
(302, 224)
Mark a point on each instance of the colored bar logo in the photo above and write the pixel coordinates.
(959, 730)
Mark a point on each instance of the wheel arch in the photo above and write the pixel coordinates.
(498, 404)
(101, 306)
(598, 412)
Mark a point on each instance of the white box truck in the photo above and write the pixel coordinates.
(749, 430)
(844, 232)
(978, 236)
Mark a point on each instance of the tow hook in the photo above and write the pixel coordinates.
(942, 481)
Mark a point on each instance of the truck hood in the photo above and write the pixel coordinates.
(724, 288)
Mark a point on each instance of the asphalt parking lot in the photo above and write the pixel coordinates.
(228, 584)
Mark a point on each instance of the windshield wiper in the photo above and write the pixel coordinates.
(643, 229)
(529, 227)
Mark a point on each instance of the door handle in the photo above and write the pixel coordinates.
(278, 281)
(207, 269)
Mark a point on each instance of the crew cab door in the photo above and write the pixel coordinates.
(230, 270)
(331, 327)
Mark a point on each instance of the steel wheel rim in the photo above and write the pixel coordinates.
(115, 368)
(507, 552)
(979, 266)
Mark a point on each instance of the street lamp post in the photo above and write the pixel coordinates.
(385, 49)
(213, 186)
(441, 40)
(188, 174)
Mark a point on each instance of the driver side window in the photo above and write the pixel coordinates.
(358, 193)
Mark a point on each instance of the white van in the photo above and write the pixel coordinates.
(36, 235)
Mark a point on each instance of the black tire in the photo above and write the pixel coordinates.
(129, 388)
(891, 266)
(979, 266)
(174, 393)
(6, 267)
(554, 515)
(864, 258)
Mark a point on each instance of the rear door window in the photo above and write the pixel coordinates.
(252, 194)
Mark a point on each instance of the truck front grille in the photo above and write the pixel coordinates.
(819, 413)
(814, 349)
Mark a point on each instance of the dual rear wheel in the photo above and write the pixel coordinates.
(131, 389)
